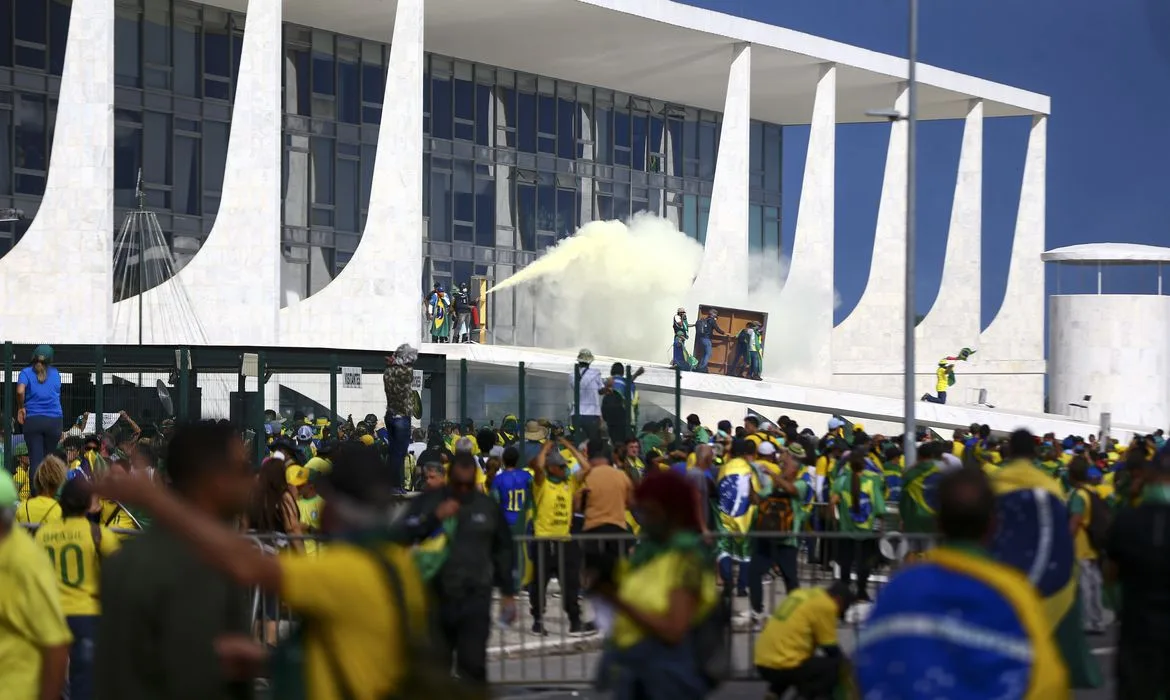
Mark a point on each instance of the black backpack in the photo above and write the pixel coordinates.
(775, 514)
(1099, 520)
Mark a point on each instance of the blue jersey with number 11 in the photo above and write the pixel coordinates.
(513, 489)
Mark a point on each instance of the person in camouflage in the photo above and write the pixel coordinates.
(399, 406)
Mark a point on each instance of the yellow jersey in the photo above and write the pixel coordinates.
(20, 478)
(554, 508)
(1081, 545)
(77, 561)
(309, 510)
(115, 516)
(804, 621)
(649, 586)
(30, 614)
(941, 382)
(365, 640)
(39, 510)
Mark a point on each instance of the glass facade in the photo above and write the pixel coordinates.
(513, 161)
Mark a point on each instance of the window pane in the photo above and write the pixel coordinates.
(526, 215)
(31, 152)
(156, 35)
(603, 135)
(756, 147)
(126, 63)
(322, 64)
(215, 142)
(5, 148)
(373, 82)
(156, 137)
(127, 158)
(464, 192)
(347, 196)
(566, 129)
(349, 101)
(707, 150)
(546, 208)
(441, 116)
(772, 157)
(58, 34)
(566, 212)
(674, 147)
(506, 116)
(639, 142)
(186, 193)
(33, 22)
(485, 218)
(297, 97)
(483, 111)
(464, 99)
(526, 123)
(5, 35)
(691, 215)
(440, 228)
(755, 228)
(322, 171)
(217, 49)
(186, 53)
(548, 114)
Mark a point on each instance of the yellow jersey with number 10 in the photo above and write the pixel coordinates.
(76, 561)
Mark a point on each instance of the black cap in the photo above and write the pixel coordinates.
(359, 474)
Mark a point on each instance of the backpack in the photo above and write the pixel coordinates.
(425, 674)
(775, 514)
(1099, 520)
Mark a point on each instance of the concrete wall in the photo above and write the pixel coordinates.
(45, 298)
(1115, 347)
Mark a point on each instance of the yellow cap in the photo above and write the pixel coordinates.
(296, 475)
(318, 464)
(367, 440)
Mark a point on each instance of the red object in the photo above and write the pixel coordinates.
(475, 317)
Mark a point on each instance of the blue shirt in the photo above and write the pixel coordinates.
(41, 399)
(513, 489)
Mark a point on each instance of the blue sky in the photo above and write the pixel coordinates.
(1106, 66)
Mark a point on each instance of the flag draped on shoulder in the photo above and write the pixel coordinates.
(918, 505)
(962, 626)
(1033, 537)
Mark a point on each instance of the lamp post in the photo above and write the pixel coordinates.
(909, 403)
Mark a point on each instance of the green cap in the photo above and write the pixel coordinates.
(9, 496)
(45, 351)
(20, 450)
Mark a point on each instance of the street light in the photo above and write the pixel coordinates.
(909, 425)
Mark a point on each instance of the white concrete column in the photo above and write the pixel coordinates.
(1010, 362)
(501, 328)
(231, 287)
(723, 276)
(869, 341)
(386, 269)
(953, 321)
(1017, 333)
(807, 358)
(43, 298)
(293, 275)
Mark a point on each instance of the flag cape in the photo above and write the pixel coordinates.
(1032, 536)
(919, 502)
(733, 489)
(960, 626)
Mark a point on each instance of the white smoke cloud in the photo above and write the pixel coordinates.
(614, 288)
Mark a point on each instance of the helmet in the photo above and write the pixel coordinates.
(370, 420)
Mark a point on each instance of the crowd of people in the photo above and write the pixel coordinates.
(660, 528)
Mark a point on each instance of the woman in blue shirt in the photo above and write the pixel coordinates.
(38, 403)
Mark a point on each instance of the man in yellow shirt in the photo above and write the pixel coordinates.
(76, 548)
(360, 651)
(553, 554)
(34, 639)
(805, 622)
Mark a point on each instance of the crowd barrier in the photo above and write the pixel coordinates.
(561, 657)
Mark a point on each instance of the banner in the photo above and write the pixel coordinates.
(351, 377)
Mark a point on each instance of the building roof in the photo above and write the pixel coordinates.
(1108, 254)
(667, 51)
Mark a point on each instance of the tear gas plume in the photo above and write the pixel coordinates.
(614, 288)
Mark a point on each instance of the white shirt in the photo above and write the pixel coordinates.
(416, 448)
(590, 400)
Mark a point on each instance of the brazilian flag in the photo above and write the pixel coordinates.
(919, 502)
(959, 611)
(1033, 537)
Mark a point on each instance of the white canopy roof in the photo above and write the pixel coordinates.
(1108, 254)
